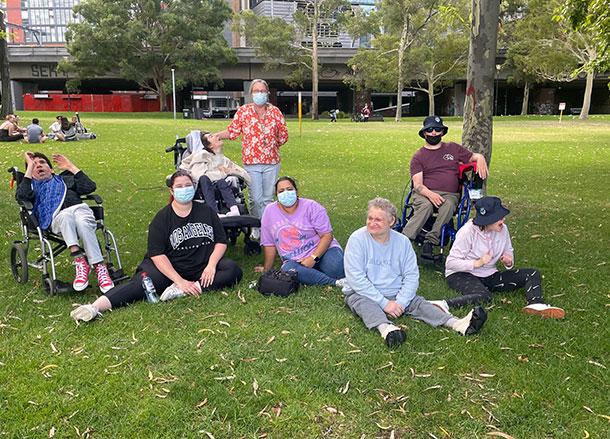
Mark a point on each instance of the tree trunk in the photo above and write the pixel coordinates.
(478, 108)
(401, 55)
(431, 109)
(526, 98)
(5, 73)
(586, 102)
(314, 62)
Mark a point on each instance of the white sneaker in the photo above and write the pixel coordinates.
(544, 310)
(85, 313)
(171, 292)
(256, 233)
(341, 282)
(440, 304)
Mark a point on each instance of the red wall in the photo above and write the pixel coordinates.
(93, 103)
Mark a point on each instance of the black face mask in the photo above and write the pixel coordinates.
(433, 140)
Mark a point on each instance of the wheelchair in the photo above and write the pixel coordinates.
(51, 245)
(470, 185)
(233, 225)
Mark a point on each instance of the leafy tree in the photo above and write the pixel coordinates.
(593, 17)
(142, 40)
(395, 28)
(477, 133)
(550, 50)
(440, 52)
(295, 45)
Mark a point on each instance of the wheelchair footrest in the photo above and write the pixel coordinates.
(62, 287)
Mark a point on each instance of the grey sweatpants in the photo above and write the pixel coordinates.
(78, 222)
(372, 315)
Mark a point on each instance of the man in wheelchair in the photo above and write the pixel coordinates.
(434, 172)
(58, 207)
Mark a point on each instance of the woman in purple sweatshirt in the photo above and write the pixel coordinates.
(471, 269)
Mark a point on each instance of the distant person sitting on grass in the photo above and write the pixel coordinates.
(186, 247)
(8, 130)
(382, 280)
(471, 267)
(55, 128)
(35, 133)
(68, 131)
(58, 206)
(210, 168)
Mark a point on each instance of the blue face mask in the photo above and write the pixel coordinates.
(184, 194)
(287, 198)
(259, 99)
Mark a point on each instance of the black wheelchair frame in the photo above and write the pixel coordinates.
(51, 245)
(233, 225)
(468, 181)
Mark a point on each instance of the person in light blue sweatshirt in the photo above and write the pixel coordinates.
(382, 280)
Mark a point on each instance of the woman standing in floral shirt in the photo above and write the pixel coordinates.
(263, 131)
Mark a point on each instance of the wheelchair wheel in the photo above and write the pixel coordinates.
(19, 263)
(48, 285)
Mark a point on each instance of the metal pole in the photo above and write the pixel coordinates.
(300, 117)
(174, 91)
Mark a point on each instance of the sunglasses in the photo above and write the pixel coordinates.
(429, 130)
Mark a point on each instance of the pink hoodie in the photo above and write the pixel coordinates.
(471, 244)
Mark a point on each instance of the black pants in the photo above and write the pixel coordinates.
(477, 290)
(206, 187)
(227, 274)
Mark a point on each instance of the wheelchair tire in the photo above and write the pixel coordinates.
(48, 286)
(19, 263)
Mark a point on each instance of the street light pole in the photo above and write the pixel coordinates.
(174, 91)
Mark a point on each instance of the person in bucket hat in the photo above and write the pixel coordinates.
(434, 172)
(471, 269)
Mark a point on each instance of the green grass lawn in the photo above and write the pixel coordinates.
(305, 367)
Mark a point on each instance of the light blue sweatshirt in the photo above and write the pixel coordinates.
(379, 271)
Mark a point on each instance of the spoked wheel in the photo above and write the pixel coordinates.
(19, 263)
(48, 285)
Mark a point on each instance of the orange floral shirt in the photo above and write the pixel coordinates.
(261, 138)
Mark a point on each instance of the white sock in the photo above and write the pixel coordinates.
(386, 328)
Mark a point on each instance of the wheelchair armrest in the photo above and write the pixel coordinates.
(94, 197)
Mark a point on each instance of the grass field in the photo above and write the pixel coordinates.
(305, 367)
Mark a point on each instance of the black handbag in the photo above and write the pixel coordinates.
(278, 283)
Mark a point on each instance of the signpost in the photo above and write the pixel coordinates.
(562, 106)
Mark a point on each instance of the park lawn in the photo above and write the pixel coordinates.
(305, 367)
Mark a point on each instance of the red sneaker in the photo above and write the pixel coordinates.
(81, 281)
(103, 278)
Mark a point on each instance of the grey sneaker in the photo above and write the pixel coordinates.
(85, 313)
(341, 282)
(172, 292)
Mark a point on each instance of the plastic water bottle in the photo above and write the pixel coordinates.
(149, 289)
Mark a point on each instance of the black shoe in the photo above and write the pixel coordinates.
(426, 250)
(395, 338)
(479, 316)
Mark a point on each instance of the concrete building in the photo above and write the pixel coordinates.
(37, 44)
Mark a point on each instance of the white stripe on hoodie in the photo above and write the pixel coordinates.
(471, 243)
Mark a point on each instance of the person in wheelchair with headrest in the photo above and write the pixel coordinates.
(58, 206)
(434, 172)
(210, 167)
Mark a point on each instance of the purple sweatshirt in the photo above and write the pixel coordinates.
(471, 244)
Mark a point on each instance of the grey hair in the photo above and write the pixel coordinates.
(258, 81)
(385, 205)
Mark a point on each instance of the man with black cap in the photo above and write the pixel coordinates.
(434, 171)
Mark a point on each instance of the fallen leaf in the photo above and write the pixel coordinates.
(255, 386)
(224, 323)
(201, 404)
(281, 360)
(588, 409)
(487, 375)
(52, 432)
(595, 363)
(270, 340)
(523, 359)
(346, 388)
(500, 434)
(331, 409)
(536, 236)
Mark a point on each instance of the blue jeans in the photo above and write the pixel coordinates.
(326, 271)
(262, 189)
